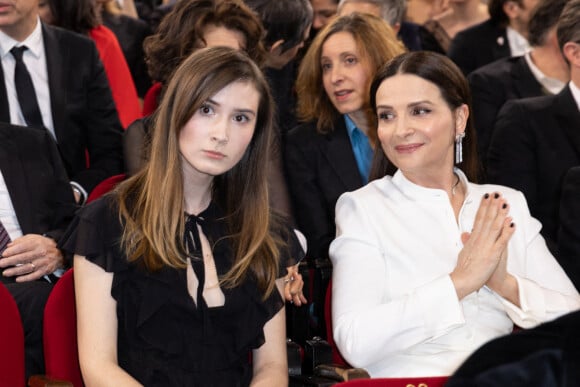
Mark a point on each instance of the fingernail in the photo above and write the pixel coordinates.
(512, 224)
(496, 195)
(486, 196)
(504, 206)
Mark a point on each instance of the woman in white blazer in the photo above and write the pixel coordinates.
(429, 265)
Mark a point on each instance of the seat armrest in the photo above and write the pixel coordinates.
(45, 381)
(340, 373)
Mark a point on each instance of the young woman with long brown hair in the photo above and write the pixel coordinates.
(175, 270)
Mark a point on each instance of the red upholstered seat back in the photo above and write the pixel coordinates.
(60, 332)
(11, 341)
(105, 186)
(151, 99)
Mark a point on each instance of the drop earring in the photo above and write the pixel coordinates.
(459, 148)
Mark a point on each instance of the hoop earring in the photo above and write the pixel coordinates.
(459, 148)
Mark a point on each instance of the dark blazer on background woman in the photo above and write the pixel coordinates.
(320, 168)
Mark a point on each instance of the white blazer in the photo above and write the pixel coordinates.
(395, 310)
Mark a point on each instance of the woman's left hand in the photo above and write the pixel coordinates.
(293, 285)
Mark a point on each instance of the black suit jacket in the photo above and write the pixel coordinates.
(83, 111)
(494, 84)
(36, 180)
(535, 142)
(479, 45)
(569, 234)
(320, 168)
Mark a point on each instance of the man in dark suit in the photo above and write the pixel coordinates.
(72, 94)
(536, 140)
(36, 206)
(542, 71)
(502, 35)
(569, 233)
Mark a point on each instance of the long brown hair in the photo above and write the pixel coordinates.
(152, 202)
(443, 73)
(377, 43)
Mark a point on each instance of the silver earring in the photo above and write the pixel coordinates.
(459, 148)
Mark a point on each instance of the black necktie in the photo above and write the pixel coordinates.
(4, 238)
(25, 90)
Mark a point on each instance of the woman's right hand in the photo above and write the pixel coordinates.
(484, 246)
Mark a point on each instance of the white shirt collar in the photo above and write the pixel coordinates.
(419, 192)
(518, 44)
(575, 93)
(553, 85)
(32, 41)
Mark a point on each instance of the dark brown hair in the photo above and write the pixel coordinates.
(79, 16)
(181, 32)
(544, 17)
(496, 12)
(568, 25)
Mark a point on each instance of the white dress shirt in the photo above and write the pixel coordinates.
(395, 310)
(7, 212)
(519, 45)
(35, 61)
(575, 90)
(553, 85)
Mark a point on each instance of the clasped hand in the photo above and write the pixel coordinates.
(483, 259)
(31, 257)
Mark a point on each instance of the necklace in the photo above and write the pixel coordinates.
(455, 185)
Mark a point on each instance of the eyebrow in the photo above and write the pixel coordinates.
(412, 104)
(247, 111)
(238, 110)
(341, 55)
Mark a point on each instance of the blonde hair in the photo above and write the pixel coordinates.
(151, 204)
(377, 43)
